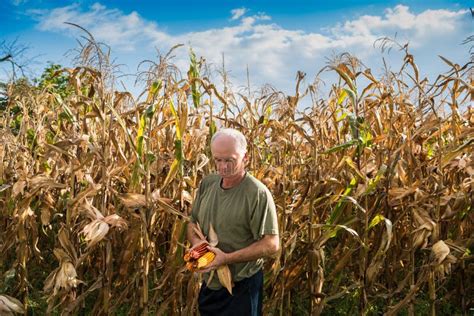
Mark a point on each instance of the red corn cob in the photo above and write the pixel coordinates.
(197, 252)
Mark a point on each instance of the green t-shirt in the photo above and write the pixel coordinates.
(240, 216)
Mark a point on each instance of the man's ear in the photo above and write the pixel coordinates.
(246, 158)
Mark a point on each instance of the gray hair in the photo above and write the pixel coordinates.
(237, 136)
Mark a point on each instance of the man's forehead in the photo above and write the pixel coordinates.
(224, 141)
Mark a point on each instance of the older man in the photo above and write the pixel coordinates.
(242, 212)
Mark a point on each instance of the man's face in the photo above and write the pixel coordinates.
(228, 161)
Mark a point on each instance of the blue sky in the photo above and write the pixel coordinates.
(273, 38)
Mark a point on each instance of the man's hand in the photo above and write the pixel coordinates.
(196, 251)
(197, 244)
(192, 236)
(219, 260)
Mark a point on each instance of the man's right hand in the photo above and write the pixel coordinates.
(192, 236)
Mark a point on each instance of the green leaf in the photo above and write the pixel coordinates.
(45, 165)
(171, 174)
(50, 137)
(342, 202)
(212, 128)
(141, 129)
(377, 219)
(366, 137)
(268, 113)
(373, 182)
(332, 231)
(176, 117)
(150, 111)
(31, 137)
(153, 91)
(342, 117)
(342, 96)
(150, 157)
(136, 174)
(193, 74)
(178, 151)
(341, 146)
(352, 94)
(354, 126)
(67, 111)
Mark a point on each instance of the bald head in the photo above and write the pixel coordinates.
(230, 137)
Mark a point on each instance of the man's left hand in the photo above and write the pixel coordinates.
(220, 260)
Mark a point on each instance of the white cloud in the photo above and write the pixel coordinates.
(272, 53)
(415, 27)
(121, 31)
(237, 13)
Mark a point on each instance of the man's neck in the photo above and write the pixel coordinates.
(228, 183)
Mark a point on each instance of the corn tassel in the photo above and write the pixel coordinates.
(207, 258)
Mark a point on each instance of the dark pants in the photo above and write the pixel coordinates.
(246, 299)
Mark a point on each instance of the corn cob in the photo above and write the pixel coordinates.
(197, 252)
(207, 258)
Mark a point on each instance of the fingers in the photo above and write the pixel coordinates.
(199, 243)
(213, 249)
(205, 270)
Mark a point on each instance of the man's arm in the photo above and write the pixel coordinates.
(267, 246)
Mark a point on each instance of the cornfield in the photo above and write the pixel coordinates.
(373, 185)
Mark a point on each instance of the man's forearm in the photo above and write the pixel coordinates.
(265, 247)
(191, 235)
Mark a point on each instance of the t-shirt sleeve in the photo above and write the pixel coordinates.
(264, 219)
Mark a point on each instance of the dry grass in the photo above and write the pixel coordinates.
(373, 187)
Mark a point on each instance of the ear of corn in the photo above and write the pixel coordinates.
(207, 258)
(198, 252)
(198, 258)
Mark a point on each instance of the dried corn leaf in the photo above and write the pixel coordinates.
(67, 244)
(213, 240)
(133, 200)
(225, 277)
(45, 216)
(3, 187)
(202, 160)
(439, 251)
(95, 231)
(116, 221)
(18, 188)
(43, 181)
(10, 305)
